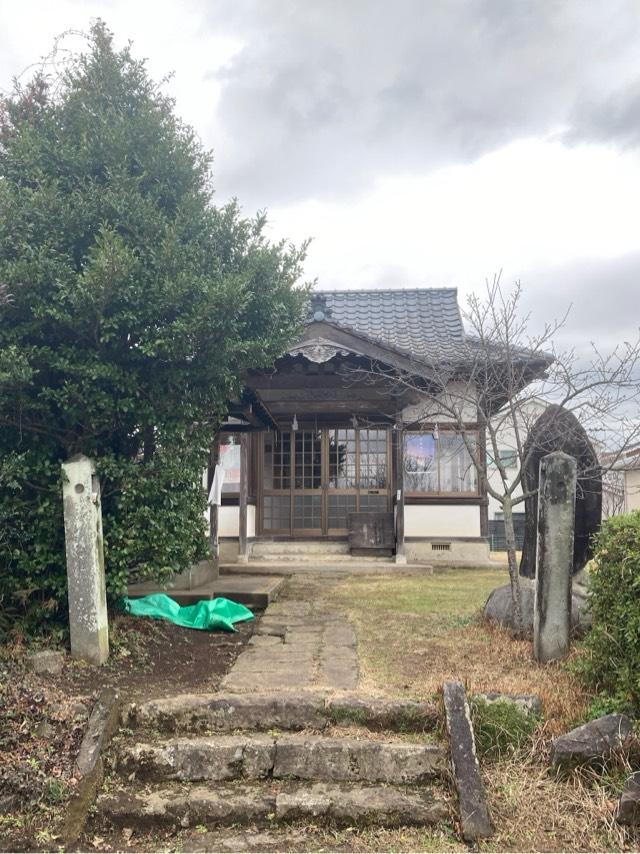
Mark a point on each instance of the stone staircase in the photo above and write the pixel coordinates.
(309, 551)
(285, 557)
(238, 759)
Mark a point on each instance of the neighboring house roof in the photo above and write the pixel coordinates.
(422, 323)
(626, 460)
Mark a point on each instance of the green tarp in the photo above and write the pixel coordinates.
(207, 614)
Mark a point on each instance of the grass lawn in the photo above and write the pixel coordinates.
(415, 631)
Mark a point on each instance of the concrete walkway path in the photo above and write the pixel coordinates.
(300, 642)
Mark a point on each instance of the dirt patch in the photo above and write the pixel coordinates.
(43, 719)
(152, 658)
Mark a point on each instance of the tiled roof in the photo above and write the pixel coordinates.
(423, 323)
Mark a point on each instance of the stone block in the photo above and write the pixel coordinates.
(361, 805)
(201, 758)
(474, 814)
(228, 712)
(591, 744)
(628, 811)
(236, 804)
(529, 704)
(46, 663)
(101, 726)
(348, 759)
(499, 608)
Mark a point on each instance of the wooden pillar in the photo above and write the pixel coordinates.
(214, 545)
(401, 556)
(243, 548)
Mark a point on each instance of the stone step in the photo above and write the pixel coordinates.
(330, 568)
(257, 757)
(254, 591)
(264, 548)
(382, 806)
(318, 559)
(193, 713)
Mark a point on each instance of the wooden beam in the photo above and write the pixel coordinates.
(243, 550)
(401, 556)
(214, 548)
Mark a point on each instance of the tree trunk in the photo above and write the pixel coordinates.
(514, 577)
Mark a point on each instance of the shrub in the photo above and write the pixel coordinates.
(610, 660)
(130, 309)
(500, 727)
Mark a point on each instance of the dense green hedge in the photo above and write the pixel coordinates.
(611, 655)
(131, 306)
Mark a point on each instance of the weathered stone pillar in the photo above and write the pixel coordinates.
(85, 561)
(556, 517)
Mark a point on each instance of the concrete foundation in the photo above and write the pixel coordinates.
(442, 551)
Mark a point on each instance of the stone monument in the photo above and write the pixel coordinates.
(85, 561)
(557, 429)
(556, 516)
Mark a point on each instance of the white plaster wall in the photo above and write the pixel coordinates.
(632, 490)
(228, 521)
(506, 440)
(458, 395)
(438, 520)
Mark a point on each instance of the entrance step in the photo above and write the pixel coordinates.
(196, 713)
(382, 806)
(254, 590)
(337, 568)
(280, 549)
(302, 757)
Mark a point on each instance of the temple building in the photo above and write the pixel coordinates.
(334, 444)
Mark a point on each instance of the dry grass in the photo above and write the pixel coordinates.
(416, 631)
(532, 811)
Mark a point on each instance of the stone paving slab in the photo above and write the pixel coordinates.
(310, 647)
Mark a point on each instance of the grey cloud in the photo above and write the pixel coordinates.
(325, 95)
(603, 296)
(615, 118)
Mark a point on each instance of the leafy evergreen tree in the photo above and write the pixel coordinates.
(135, 307)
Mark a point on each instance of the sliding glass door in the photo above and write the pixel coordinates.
(312, 479)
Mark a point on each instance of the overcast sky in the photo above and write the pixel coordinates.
(418, 142)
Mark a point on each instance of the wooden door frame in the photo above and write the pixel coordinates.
(324, 491)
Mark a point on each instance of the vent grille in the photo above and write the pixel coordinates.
(440, 547)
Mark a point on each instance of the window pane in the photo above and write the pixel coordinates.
(277, 512)
(342, 459)
(420, 472)
(339, 508)
(457, 471)
(277, 461)
(229, 459)
(307, 511)
(373, 459)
